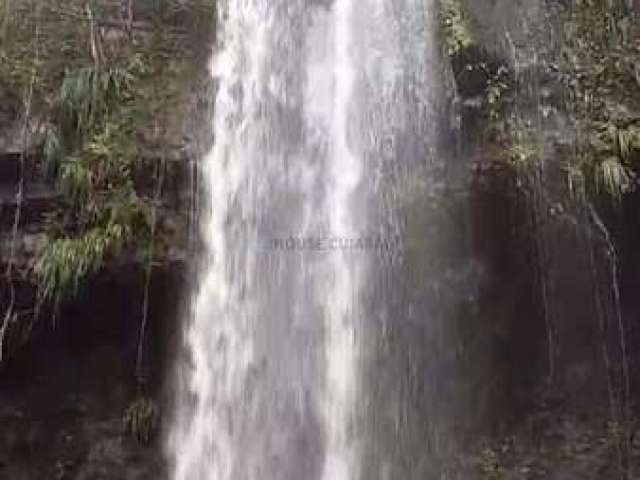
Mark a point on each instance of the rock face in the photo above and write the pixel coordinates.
(9, 128)
(68, 378)
(64, 395)
(559, 300)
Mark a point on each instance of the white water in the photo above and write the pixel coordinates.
(311, 97)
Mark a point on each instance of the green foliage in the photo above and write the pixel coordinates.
(66, 262)
(612, 153)
(75, 182)
(623, 143)
(103, 164)
(140, 420)
(522, 152)
(88, 95)
(456, 27)
(37, 44)
(613, 178)
(489, 465)
(85, 94)
(129, 210)
(101, 91)
(93, 163)
(600, 56)
(607, 162)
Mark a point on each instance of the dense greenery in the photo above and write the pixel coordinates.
(600, 59)
(91, 154)
(557, 111)
(597, 57)
(101, 81)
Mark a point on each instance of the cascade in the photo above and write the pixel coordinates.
(322, 108)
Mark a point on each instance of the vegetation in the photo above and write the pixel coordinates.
(103, 88)
(66, 262)
(456, 27)
(599, 58)
(141, 420)
(101, 79)
(99, 89)
(91, 154)
(579, 67)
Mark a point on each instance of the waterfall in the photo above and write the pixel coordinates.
(322, 116)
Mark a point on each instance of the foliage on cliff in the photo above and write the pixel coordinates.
(596, 54)
(456, 27)
(101, 80)
(564, 124)
(600, 58)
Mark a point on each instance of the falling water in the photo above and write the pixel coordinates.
(321, 117)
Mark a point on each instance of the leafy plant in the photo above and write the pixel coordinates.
(141, 420)
(613, 178)
(620, 142)
(75, 181)
(600, 57)
(103, 164)
(94, 174)
(456, 26)
(87, 95)
(66, 262)
(489, 465)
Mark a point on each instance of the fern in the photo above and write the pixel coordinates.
(104, 164)
(66, 262)
(87, 95)
(141, 419)
(75, 181)
(619, 147)
(614, 178)
(95, 177)
(128, 209)
(111, 153)
(628, 143)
